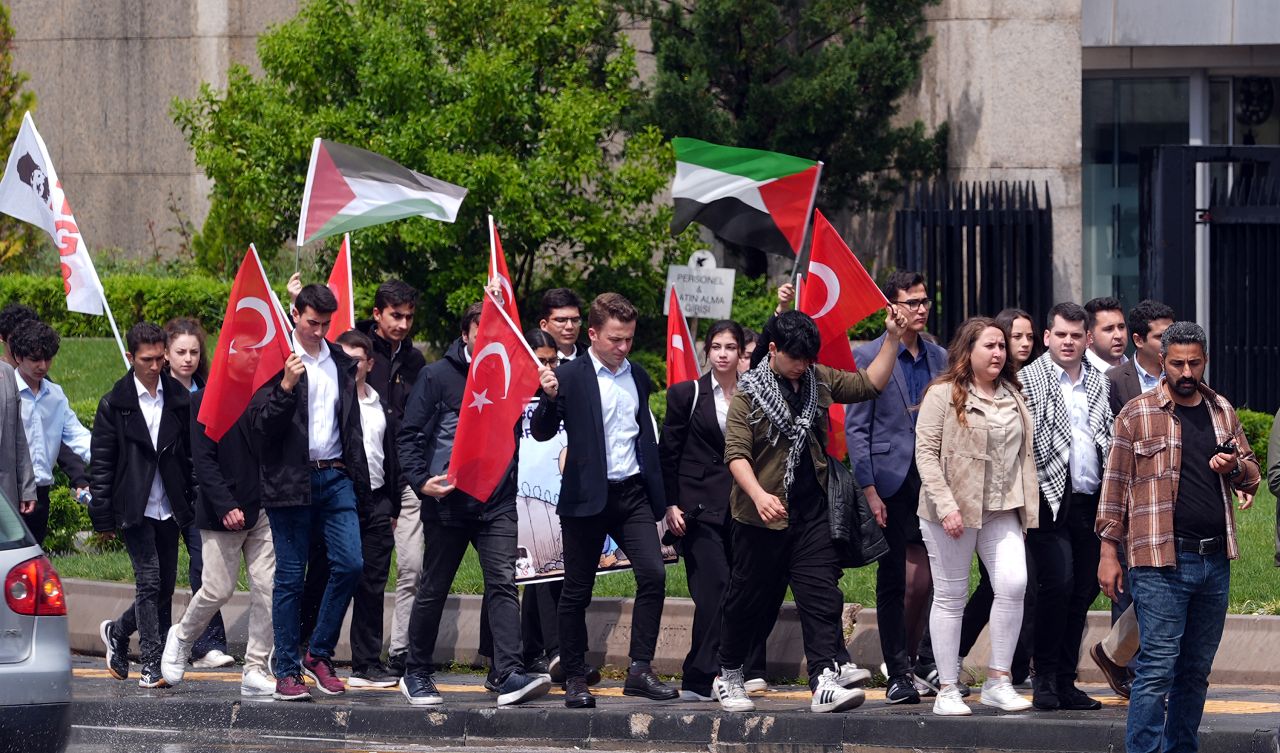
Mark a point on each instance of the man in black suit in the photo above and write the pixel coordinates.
(1147, 323)
(612, 486)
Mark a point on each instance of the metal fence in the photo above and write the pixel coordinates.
(981, 246)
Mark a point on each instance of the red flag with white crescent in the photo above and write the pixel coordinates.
(252, 348)
(502, 378)
(838, 293)
(498, 271)
(340, 283)
(682, 362)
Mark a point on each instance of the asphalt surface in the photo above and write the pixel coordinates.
(206, 713)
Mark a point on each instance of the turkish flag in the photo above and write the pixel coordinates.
(838, 293)
(340, 283)
(502, 379)
(682, 363)
(498, 271)
(252, 348)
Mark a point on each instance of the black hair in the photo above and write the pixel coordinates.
(26, 171)
(318, 298)
(470, 316)
(1146, 312)
(1183, 333)
(1068, 311)
(145, 333)
(900, 280)
(1102, 303)
(560, 298)
(725, 325)
(35, 340)
(13, 316)
(395, 292)
(357, 339)
(796, 334)
(749, 336)
(539, 338)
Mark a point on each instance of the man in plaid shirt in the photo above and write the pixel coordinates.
(1177, 452)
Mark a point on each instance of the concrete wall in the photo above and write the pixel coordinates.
(1006, 75)
(105, 73)
(1133, 23)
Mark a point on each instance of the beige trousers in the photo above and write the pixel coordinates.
(408, 538)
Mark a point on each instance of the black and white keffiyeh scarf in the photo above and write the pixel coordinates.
(762, 385)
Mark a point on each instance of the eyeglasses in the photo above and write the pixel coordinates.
(562, 320)
(552, 361)
(915, 303)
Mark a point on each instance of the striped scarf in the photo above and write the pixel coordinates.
(761, 384)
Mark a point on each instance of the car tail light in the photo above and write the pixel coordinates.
(34, 588)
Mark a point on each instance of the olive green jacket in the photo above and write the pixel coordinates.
(746, 437)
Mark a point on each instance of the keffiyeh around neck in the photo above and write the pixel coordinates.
(763, 386)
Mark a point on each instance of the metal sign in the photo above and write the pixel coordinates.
(706, 291)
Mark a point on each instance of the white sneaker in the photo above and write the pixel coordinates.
(213, 660)
(756, 685)
(830, 696)
(690, 696)
(851, 675)
(255, 684)
(730, 690)
(173, 661)
(1000, 694)
(949, 703)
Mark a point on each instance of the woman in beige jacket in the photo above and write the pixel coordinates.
(978, 492)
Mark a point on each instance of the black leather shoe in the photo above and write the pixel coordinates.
(1115, 675)
(647, 685)
(577, 695)
(1071, 698)
(1044, 694)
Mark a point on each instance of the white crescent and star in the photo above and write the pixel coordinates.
(481, 399)
(677, 342)
(259, 306)
(829, 278)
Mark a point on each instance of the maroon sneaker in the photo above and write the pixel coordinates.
(321, 670)
(291, 688)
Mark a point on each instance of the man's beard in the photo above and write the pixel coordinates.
(1186, 387)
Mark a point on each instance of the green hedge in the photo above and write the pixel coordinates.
(1257, 428)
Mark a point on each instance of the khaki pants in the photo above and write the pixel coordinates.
(222, 552)
(408, 537)
(1121, 644)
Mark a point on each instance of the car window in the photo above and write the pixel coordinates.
(13, 534)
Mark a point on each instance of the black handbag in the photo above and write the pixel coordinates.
(854, 531)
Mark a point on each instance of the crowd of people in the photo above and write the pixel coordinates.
(1066, 465)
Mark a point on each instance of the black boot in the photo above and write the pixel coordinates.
(1044, 693)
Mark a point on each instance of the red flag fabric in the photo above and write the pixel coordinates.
(498, 271)
(502, 379)
(682, 362)
(252, 348)
(340, 283)
(838, 293)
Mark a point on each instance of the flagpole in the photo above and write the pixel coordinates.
(112, 319)
(802, 255)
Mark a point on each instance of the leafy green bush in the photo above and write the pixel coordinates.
(1257, 428)
(67, 517)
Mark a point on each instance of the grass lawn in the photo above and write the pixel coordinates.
(86, 368)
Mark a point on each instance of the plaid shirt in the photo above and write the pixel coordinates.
(1140, 484)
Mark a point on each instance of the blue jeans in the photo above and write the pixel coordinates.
(333, 513)
(1181, 613)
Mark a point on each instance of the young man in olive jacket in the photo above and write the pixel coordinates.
(229, 515)
(312, 458)
(142, 485)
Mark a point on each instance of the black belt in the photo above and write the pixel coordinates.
(628, 481)
(324, 465)
(1201, 546)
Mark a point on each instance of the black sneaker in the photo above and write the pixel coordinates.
(539, 666)
(395, 663)
(556, 670)
(420, 689)
(151, 677)
(520, 687)
(647, 685)
(592, 677)
(902, 690)
(492, 682)
(117, 650)
(376, 676)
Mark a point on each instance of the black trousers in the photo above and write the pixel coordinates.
(977, 612)
(902, 529)
(801, 554)
(153, 551)
(495, 543)
(38, 519)
(707, 552)
(377, 542)
(1064, 563)
(628, 518)
(215, 633)
(539, 620)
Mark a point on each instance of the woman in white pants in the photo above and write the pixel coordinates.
(978, 492)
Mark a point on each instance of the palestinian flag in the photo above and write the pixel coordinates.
(349, 188)
(746, 196)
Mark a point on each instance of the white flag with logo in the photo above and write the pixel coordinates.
(31, 192)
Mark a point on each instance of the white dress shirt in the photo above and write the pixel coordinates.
(1099, 363)
(619, 403)
(722, 404)
(1086, 470)
(152, 408)
(374, 423)
(50, 423)
(323, 440)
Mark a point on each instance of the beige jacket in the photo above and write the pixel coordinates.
(954, 462)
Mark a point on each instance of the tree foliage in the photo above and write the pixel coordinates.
(18, 240)
(814, 78)
(520, 101)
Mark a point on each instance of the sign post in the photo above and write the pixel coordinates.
(706, 291)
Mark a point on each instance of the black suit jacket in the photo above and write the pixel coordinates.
(226, 471)
(584, 488)
(692, 452)
(1125, 385)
